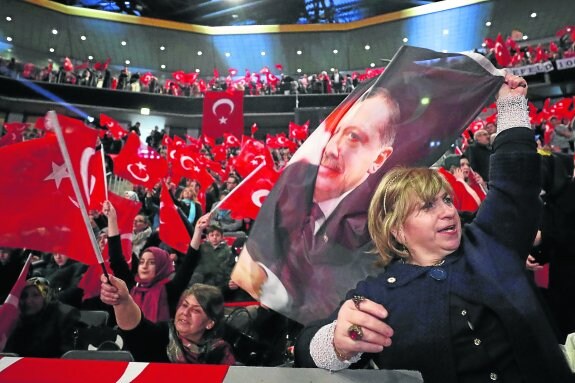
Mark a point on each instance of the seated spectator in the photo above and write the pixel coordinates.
(216, 261)
(479, 153)
(140, 234)
(46, 327)
(189, 204)
(155, 287)
(468, 187)
(64, 274)
(190, 338)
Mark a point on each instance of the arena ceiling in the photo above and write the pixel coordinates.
(251, 12)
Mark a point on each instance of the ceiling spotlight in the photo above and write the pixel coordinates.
(335, 51)
(200, 53)
(162, 48)
(8, 38)
(484, 45)
(83, 38)
(488, 24)
(445, 32)
(234, 16)
(298, 70)
(299, 52)
(227, 54)
(123, 43)
(405, 39)
(90, 57)
(525, 37)
(332, 69)
(367, 47)
(127, 62)
(263, 53)
(54, 31)
(163, 66)
(8, 18)
(197, 70)
(372, 65)
(51, 50)
(533, 15)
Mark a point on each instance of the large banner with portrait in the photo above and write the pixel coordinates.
(310, 243)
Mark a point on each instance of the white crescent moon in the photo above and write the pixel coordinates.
(143, 179)
(258, 195)
(160, 217)
(183, 159)
(221, 101)
(173, 154)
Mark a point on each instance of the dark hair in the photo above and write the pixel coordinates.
(211, 300)
(214, 228)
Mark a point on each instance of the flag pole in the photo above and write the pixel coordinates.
(104, 170)
(53, 119)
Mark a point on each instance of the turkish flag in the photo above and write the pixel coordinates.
(247, 198)
(223, 113)
(14, 133)
(253, 153)
(298, 132)
(68, 66)
(113, 126)
(173, 231)
(38, 196)
(126, 210)
(140, 164)
(10, 311)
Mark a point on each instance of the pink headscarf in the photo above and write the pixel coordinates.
(151, 296)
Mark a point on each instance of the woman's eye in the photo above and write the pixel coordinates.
(448, 200)
(428, 205)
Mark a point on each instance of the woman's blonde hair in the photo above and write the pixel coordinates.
(400, 192)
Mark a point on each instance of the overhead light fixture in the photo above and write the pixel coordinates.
(51, 50)
(162, 48)
(83, 38)
(90, 57)
(533, 15)
(200, 53)
(525, 37)
(299, 52)
(8, 38)
(298, 70)
(127, 62)
(197, 70)
(372, 65)
(445, 32)
(234, 16)
(54, 31)
(263, 53)
(335, 51)
(123, 43)
(405, 39)
(488, 24)
(162, 66)
(227, 54)
(367, 47)
(8, 18)
(145, 111)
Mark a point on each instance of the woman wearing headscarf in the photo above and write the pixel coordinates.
(46, 326)
(155, 288)
(454, 303)
(192, 336)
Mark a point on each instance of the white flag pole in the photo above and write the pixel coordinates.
(52, 120)
(104, 170)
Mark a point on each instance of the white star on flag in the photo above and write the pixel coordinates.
(223, 120)
(196, 169)
(59, 172)
(141, 166)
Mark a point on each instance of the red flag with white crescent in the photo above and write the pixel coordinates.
(223, 113)
(173, 232)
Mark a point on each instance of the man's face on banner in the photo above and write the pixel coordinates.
(355, 150)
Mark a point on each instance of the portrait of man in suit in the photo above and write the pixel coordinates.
(319, 220)
(310, 243)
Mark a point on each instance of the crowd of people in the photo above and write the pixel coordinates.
(509, 52)
(475, 217)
